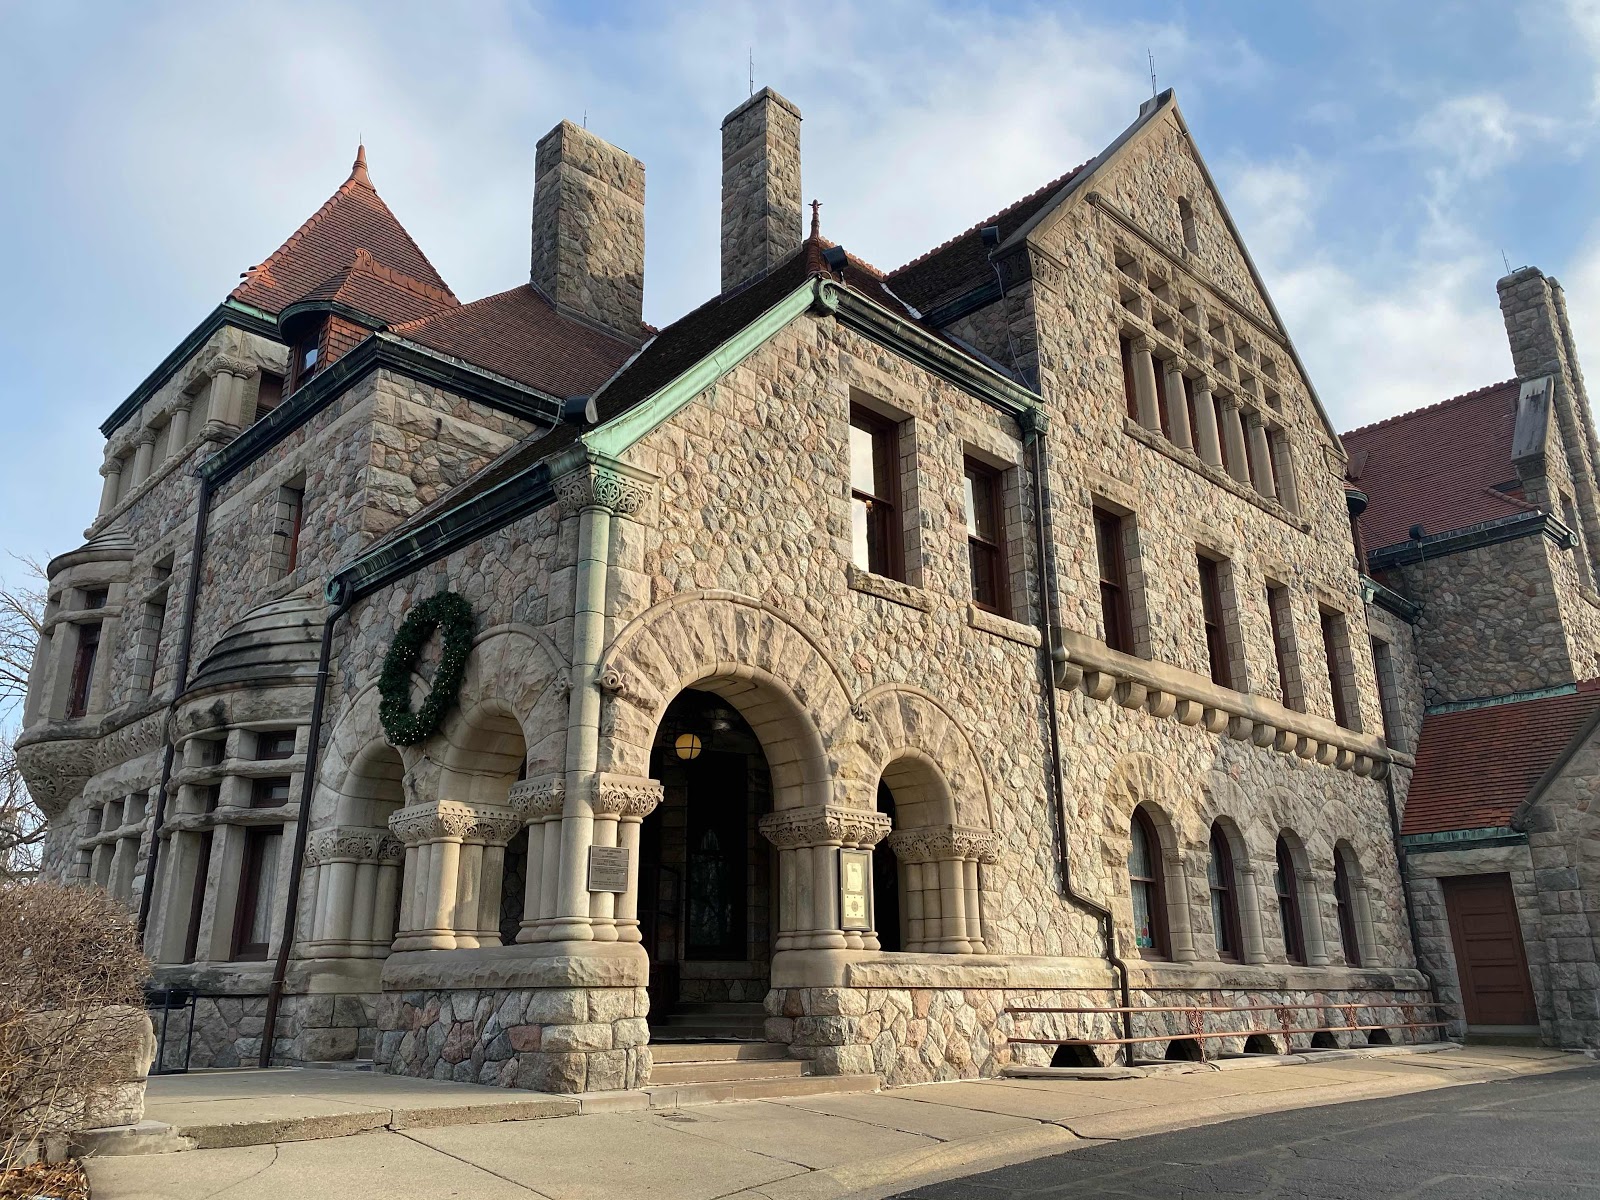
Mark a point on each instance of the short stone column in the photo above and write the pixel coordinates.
(1207, 438)
(941, 882)
(1311, 911)
(1254, 948)
(454, 850)
(621, 803)
(539, 802)
(177, 429)
(143, 456)
(1260, 456)
(112, 471)
(355, 874)
(808, 841)
(1178, 408)
(1144, 385)
(1233, 438)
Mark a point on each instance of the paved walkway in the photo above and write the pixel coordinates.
(802, 1148)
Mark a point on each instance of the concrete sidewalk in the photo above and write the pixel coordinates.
(798, 1148)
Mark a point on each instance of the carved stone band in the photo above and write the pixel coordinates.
(593, 486)
(625, 796)
(353, 844)
(936, 843)
(538, 799)
(821, 824)
(446, 819)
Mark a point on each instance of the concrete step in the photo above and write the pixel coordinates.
(753, 1007)
(718, 1031)
(677, 1095)
(716, 1072)
(682, 1052)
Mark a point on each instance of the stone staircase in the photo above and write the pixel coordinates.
(711, 1022)
(686, 1072)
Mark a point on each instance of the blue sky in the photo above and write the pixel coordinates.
(1379, 157)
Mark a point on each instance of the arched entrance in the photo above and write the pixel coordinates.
(706, 873)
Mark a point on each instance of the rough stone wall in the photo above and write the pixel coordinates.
(761, 218)
(1492, 620)
(1408, 700)
(547, 1039)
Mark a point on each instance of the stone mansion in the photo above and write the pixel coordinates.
(511, 692)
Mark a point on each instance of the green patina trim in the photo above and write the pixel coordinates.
(1559, 689)
(626, 429)
(1457, 839)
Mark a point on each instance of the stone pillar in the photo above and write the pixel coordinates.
(353, 870)
(1178, 408)
(941, 862)
(112, 471)
(1283, 470)
(1254, 949)
(1311, 919)
(761, 197)
(588, 229)
(1233, 438)
(808, 841)
(1144, 385)
(621, 802)
(1207, 438)
(443, 906)
(1260, 456)
(143, 456)
(177, 429)
(539, 801)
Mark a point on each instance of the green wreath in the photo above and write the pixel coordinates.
(451, 615)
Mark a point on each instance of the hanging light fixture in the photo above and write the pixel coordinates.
(688, 746)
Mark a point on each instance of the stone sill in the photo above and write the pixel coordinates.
(1168, 691)
(891, 590)
(1191, 460)
(1206, 976)
(230, 814)
(1004, 627)
(111, 836)
(248, 768)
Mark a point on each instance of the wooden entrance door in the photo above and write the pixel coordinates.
(1490, 960)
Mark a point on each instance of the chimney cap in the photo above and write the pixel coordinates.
(761, 97)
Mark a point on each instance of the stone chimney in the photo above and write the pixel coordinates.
(761, 223)
(588, 229)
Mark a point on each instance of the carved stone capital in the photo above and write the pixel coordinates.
(625, 795)
(345, 843)
(822, 824)
(444, 820)
(938, 843)
(538, 799)
(612, 488)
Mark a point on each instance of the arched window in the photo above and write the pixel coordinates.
(1288, 884)
(1149, 895)
(1344, 901)
(1224, 896)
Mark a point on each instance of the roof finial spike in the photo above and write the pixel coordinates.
(358, 169)
(816, 219)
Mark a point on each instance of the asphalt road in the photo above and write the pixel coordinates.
(1533, 1138)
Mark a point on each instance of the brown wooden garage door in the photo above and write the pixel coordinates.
(1489, 956)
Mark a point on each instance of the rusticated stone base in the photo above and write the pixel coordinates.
(545, 1039)
(228, 1029)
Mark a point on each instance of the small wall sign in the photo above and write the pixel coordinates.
(608, 868)
(855, 890)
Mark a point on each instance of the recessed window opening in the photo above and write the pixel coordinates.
(985, 536)
(1212, 614)
(83, 664)
(1130, 391)
(1344, 902)
(1148, 887)
(1191, 236)
(874, 494)
(1224, 897)
(1286, 881)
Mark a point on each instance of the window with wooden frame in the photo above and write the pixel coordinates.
(197, 897)
(1280, 616)
(303, 357)
(1147, 886)
(1217, 649)
(874, 494)
(83, 669)
(1130, 390)
(269, 793)
(1344, 902)
(1188, 404)
(1388, 692)
(269, 394)
(986, 557)
(252, 925)
(275, 743)
(1116, 612)
(1333, 647)
(1224, 896)
(1163, 413)
(1287, 881)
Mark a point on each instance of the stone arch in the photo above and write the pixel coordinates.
(1308, 895)
(773, 672)
(1141, 781)
(1345, 853)
(903, 724)
(513, 671)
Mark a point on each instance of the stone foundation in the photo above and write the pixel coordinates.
(311, 1029)
(545, 1039)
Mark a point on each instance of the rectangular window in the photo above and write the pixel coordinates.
(210, 797)
(1281, 617)
(1115, 611)
(269, 394)
(83, 669)
(1188, 403)
(275, 743)
(286, 533)
(1383, 670)
(1163, 415)
(1219, 411)
(986, 558)
(197, 898)
(95, 598)
(269, 793)
(1333, 646)
(303, 358)
(1216, 629)
(874, 494)
(1130, 391)
(252, 926)
(155, 617)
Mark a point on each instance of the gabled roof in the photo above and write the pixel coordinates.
(1438, 467)
(354, 218)
(520, 335)
(369, 287)
(1476, 765)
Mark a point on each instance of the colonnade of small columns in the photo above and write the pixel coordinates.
(940, 887)
(357, 873)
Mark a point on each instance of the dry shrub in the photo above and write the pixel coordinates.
(72, 1028)
(45, 1181)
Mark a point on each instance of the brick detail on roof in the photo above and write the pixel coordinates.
(1439, 467)
(1475, 766)
(353, 218)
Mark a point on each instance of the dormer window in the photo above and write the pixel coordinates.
(303, 358)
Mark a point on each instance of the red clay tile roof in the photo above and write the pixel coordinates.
(519, 334)
(1476, 766)
(962, 263)
(354, 218)
(1437, 467)
(370, 287)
